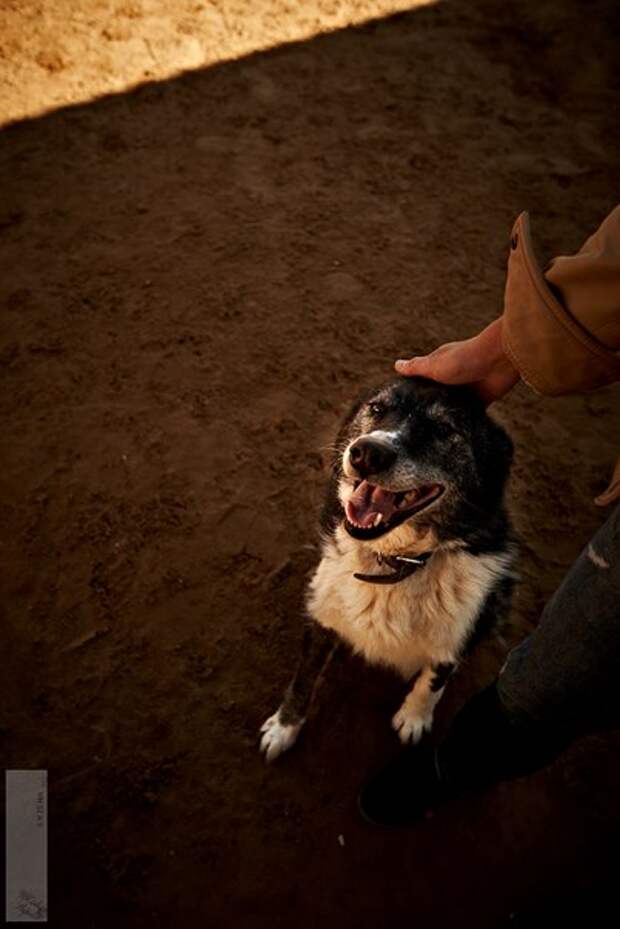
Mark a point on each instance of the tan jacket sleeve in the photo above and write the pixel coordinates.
(562, 329)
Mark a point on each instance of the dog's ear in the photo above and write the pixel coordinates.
(499, 447)
(498, 452)
(503, 445)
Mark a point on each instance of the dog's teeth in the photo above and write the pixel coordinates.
(377, 519)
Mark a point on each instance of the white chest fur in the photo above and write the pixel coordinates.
(422, 620)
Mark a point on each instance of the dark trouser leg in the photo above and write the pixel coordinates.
(560, 683)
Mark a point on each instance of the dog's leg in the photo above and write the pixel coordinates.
(280, 731)
(416, 713)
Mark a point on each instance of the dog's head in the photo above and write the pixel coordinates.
(416, 453)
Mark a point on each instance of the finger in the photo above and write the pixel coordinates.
(609, 496)
(448, 364)
(412, 366)
(612, 492)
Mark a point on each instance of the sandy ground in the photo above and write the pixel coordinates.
(196, 276)
(54, 53)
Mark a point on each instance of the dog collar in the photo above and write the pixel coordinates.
(404, 566)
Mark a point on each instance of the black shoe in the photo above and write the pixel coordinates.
(404, 791)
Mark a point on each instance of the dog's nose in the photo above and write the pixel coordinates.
(368, 456)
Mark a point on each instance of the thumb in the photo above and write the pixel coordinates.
(612, 492)
(608, 496)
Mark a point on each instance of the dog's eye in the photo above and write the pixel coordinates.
(376, 408)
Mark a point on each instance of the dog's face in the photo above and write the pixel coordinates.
(415, 452)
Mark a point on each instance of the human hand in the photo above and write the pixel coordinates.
(480, 361)
(612, 493)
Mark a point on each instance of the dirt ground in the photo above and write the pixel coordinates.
(196, 276)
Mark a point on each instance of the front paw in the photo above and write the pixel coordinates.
(411, 726)
(278, 737)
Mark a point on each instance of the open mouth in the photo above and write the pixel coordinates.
(372, 511)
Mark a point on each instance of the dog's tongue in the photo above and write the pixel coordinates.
(366, 502)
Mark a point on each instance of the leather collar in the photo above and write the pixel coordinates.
(403, 567)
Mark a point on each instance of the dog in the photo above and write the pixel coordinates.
(417, 549)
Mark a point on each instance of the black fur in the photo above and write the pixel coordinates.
(441, 673)
(494, 612)
(318, 646)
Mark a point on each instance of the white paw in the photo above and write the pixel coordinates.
(411, 726)
(277, 737)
